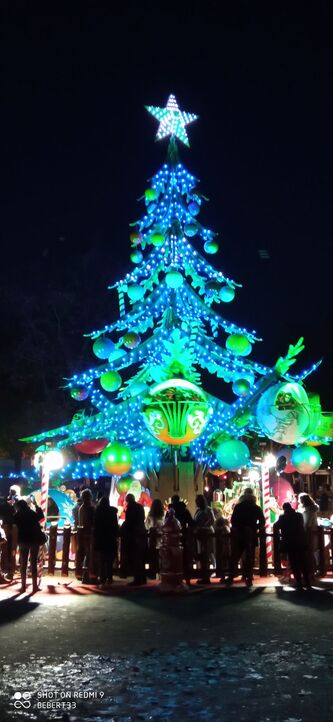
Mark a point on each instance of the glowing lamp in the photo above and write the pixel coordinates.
(176, 411)
(53, 460)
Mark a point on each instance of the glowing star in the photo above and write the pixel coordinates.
(172, 120)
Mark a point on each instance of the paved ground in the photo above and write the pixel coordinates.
(69, 653)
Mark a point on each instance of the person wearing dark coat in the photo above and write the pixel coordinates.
(181, 512)
(134, 541)
(106, 532)
(290, 526)
(29, 540)
(246, 520)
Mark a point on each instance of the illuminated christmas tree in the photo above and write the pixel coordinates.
(146, 397)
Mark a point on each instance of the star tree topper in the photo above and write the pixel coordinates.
(172, 120)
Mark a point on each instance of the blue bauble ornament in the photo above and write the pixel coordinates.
(174, 279)
(227, 294)
(103, 347)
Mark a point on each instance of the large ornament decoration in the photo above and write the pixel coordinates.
(283, 413)
(116, 458)
(232, 454)
(306, 459)
(111, 381)
(176, 411)
(102, 347)
(91, 446)
(238, 344)
(282, 490)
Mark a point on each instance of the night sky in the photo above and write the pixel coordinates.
(77, 148)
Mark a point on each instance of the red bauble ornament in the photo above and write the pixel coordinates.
(91, 446)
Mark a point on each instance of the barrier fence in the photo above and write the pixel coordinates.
(204, 553)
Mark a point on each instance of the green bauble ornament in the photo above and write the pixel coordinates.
(190, 229)
(123, 484)
(211, 247)
(103, 347)
(135, 292)
(238, 344)
(111, 381)
(241, 387)
(157, 239)
(116, 458)
(131, 339)
(150, 195)
(227, 294)
(136, 257)
(232, 455)
(306, 459)
(174, 279)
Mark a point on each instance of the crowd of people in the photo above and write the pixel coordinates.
(100, 531)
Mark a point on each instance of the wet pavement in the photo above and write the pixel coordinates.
(264, 654)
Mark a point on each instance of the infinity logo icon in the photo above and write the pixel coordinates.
(22, 699)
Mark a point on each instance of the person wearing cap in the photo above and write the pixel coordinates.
(246, 520)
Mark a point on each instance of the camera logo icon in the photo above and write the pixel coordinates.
(22, 699)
